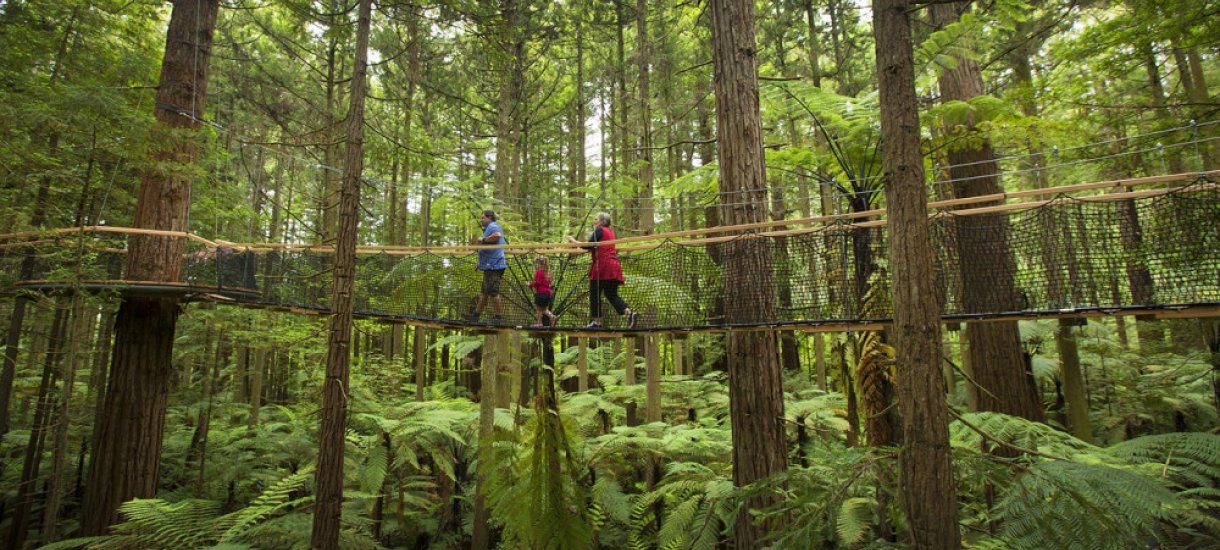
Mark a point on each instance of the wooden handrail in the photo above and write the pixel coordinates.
(942, 208)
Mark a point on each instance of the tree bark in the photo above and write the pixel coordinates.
(419, 348)
(508, 121)
(335, 390)
(256, 385)
(643, 58)
(815, 66)
(129, 430)
(481, 537)
(27, 486)
(755, 380)
(925, 460)
(12, 338)
(576, 195)
(652, 380)
(582, 363)
(77, 337)
(1073, 382)
(988, 278)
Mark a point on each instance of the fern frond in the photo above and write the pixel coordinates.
(1195, 456)
(1070, 505)
(854, 519)
(676, 528)
(273, 500)
(1020, 431)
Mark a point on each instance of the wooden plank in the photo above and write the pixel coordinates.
(1189, 313)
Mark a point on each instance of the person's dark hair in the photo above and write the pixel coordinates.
(490, 214)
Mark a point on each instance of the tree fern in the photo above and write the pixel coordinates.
(270, 502)
(1069, 505)
(676, 528)
(1018, 431)
(154, 523)
(537, 500)
(1190, 462)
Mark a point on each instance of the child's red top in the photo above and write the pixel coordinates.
(541, 283)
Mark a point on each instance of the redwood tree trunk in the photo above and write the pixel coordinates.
(925, 461)
(642, 60)
(988, 278)
(339, 354)
(755, 382)
(130, 427)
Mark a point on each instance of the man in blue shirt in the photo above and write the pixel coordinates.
(492, 263)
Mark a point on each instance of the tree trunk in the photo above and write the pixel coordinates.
(28, 483)
(582, 364)
(77, 338)
(925, 461)
(819, 358)
(508, 121)
(196, 452)
(12, 339)
(755, 380)
(643, 58)
(419, 348)
(504, 381)
(987, 280)
(576, 196)
(619, 116)
(1160, 108)
(129, 430)
(652, 380)
(628, 364)
(256, 385)
(481, 537)
(1073, 382)
(335, 391)
(681, 367)
(815, 66)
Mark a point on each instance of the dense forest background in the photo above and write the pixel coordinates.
(547, 112)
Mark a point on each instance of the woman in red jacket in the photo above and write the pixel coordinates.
(605, 273)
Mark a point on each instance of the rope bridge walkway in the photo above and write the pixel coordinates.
(1101, 248)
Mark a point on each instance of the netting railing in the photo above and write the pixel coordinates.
(1128, 250)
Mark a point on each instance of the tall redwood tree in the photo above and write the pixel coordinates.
(988, 278)
(331, 437)
(128, 433)
(755, 381)
(924, 461)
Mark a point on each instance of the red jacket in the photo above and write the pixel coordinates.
(605, 266)
(541, 283)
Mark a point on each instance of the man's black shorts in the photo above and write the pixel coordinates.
(491, 281)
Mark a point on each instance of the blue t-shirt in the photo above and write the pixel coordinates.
(492, 258)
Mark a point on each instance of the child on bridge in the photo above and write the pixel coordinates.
(543, 294)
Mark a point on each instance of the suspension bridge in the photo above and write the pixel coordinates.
(1144, 246)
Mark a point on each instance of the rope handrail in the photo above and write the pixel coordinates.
(1122, 250)
(942, 208)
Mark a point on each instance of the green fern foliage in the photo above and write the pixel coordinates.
(1190, 463)
(154, 523)
(538, 501)
(1193, 458)
(1018, 431)
(1059, 504)
(856, 515)
(275, 499)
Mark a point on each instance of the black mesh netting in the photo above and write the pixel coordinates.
(1068, 255)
